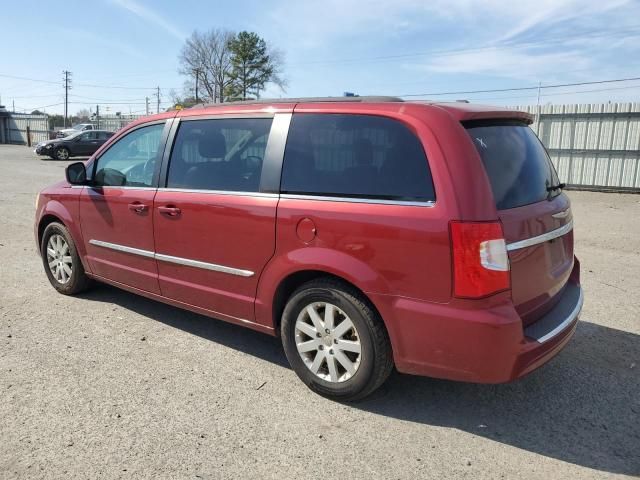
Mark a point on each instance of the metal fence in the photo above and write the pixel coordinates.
(14, 126)
(592, 146)
(114, 123)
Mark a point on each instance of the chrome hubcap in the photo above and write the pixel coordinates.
(328, 342)
(59, 258)
(63, 154)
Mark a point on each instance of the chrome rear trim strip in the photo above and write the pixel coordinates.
(204, 265)
(529, 242)
(171, 259)
(122, 248)
(567, 321)
(426, 203)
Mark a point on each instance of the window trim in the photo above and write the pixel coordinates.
(355, 198)
(269, 162)
(116, 138)
(374, 201)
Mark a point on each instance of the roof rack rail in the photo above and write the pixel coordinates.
(304, 100)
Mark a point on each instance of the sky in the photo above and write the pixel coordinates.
(119, 51)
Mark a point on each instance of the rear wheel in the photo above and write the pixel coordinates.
(62, 153)
(61, 261)
(335, 341)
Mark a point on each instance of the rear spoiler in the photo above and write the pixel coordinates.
(470, 112)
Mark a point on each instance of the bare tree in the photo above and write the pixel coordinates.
(83, 114)
(206, 58)
(276, 65)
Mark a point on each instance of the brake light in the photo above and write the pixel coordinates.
(480, 261)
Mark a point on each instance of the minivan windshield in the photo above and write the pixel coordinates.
(517, 164)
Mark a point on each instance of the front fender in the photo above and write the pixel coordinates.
(66, 211)
(319, 259)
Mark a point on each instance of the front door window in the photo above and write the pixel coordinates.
(131, 161)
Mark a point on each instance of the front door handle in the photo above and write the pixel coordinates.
(170, 211)
(138, 207)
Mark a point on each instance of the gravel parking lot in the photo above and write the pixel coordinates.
(113, 385)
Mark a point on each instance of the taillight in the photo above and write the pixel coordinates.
(480, 261)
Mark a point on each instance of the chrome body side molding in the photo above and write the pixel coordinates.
(122, 248)
(171, 259)
(204, 265)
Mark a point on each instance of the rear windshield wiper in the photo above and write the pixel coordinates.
(559, 186)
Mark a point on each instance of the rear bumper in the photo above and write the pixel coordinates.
(484, 345)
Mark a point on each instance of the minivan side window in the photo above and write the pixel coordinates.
(131, 160)
(361, 156)
(219, 154)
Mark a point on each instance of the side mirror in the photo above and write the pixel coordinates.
(76, 173)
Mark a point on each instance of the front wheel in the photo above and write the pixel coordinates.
(62, 153)
(335, 341)
(61, 261)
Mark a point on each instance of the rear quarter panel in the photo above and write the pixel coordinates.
(394, 250)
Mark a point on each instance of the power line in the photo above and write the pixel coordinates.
(89, 85)
(29, 79)
(496, 90)
(107, 103)
(124, 100)
(533, 95)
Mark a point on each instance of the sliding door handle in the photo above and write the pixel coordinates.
(170, 211)
(138, 207)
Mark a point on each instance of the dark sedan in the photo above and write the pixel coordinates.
(81, 144)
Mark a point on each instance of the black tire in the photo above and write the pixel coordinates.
(376, 360)
(62, 153)
(78, 280)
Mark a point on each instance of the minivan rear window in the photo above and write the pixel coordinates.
(517, 164)
(357, 156)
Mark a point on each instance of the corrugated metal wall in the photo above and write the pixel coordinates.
(15, 125)
(592, 146)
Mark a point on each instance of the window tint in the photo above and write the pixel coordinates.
(104, 135)
(355, 156)
(85, 137)
(516, 163)
(219, 154)
(131, 160)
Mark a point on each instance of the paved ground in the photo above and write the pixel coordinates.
(115, 386)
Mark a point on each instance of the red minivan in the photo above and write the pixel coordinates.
(366, 232)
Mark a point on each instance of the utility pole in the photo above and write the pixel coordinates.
(14, 106)
(158, 99)
(146, 99)
(538, 109)
(97, 117)
(67, 86)
(196, 72)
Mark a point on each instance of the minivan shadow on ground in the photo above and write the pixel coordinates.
(582, 408)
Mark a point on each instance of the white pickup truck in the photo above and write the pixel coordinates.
(81, 127)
